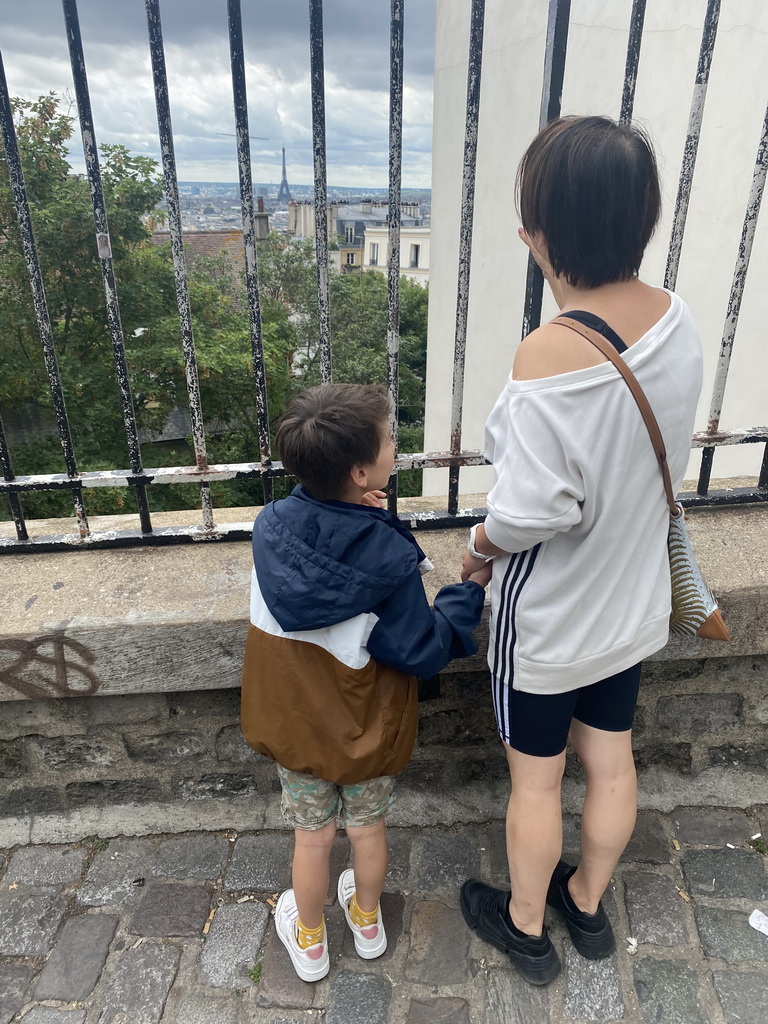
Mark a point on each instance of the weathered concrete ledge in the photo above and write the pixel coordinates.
(149, 641)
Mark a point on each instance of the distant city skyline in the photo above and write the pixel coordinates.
(277, 69)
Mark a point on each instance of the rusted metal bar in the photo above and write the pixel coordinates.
(474, 70)
(708, 38)
(104, 248)
(13, 499)
(165, 129)
(29, 248)
(393, 269)
(321, 183)
(551, 100)
(762, 480)
(734, 302)
(237, 59)
(636, 21)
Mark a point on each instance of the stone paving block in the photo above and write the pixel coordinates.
(738, 874)
(668, 992)
(233, 942)
(649, 843)
(13, 760)
(14, 982)
(171, 910)
(73, 968)
(52, 1015)
(592, 988)
(495, 869)
(339, 861)
(399, 870)
(73, 753)
(727, 934)
(280, 986)
(28, 924)
(205, 704)
(112, 873)
(46, 866)
(126, 709)
(656, 912)
(113, 791)
(196, 856)
(261, 862)
(701, 712)
(445, 1010)
(232, 748)
(742, 996)
(448, 860)
(571, 828)
(510, 999)
(217, 785)
(392, 909)
(138, 985)
(30, 800)
(439, 949)
(165, 748)
(359, 999)
(710, 826)
(202, 1010)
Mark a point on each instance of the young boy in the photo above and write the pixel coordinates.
(340, 626)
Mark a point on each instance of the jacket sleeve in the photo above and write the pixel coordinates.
(414, 638)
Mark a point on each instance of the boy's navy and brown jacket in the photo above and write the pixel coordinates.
(340, 627)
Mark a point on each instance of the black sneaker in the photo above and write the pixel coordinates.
(591, 934)
(486, 910)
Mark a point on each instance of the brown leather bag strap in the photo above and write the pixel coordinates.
(638, 394)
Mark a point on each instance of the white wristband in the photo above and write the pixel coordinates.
(473, 550)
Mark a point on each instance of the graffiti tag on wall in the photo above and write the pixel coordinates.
(48, 666)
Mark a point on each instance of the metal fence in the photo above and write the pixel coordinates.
(138, 477)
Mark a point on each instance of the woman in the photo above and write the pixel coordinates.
(576, 526)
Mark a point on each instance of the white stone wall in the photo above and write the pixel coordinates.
(511, 84)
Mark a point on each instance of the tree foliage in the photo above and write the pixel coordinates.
(63, 226)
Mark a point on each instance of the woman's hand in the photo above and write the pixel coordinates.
(374, 498)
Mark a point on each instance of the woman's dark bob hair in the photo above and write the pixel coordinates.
(590, 186)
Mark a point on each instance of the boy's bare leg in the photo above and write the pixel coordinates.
(311, 859)
(369, 845)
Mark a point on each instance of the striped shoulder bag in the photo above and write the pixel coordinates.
(694, 610)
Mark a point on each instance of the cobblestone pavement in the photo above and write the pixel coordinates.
(177, 928)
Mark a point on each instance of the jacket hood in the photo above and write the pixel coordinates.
(321, 562)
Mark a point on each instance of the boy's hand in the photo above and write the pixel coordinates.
(482, 576)
(374, 498)
(470, 565)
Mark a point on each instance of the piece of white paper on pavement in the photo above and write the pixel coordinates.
(759, 921)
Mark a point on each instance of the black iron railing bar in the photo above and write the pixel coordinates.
(395, 179)
(317, 71)
(706, 50)
(734, 302)
(634, 42)
(17, 511)
(29, 248)
(555, 52)
(104, 248)
(237, 58)
(474, 73)
(165, 131)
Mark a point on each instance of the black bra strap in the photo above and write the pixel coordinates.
(590, 320)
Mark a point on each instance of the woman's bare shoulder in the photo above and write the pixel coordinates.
(551, 350)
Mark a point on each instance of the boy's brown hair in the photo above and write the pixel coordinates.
(327, 430)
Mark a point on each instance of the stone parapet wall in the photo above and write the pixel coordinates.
(119, 701)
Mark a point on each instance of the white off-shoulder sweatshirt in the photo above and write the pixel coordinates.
(578, 502)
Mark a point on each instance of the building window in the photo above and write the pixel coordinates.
(350, 259)
(350, 235)
(414, 256)
(374, 260)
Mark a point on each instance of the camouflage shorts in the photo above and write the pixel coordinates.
(310, 803)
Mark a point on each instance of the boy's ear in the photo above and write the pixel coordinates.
(359, 476)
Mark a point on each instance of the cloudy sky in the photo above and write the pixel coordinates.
(276, 39)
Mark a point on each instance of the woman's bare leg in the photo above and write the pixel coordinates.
(534, 834)
(610, 809)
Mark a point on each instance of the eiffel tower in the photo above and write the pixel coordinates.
(284, 195)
